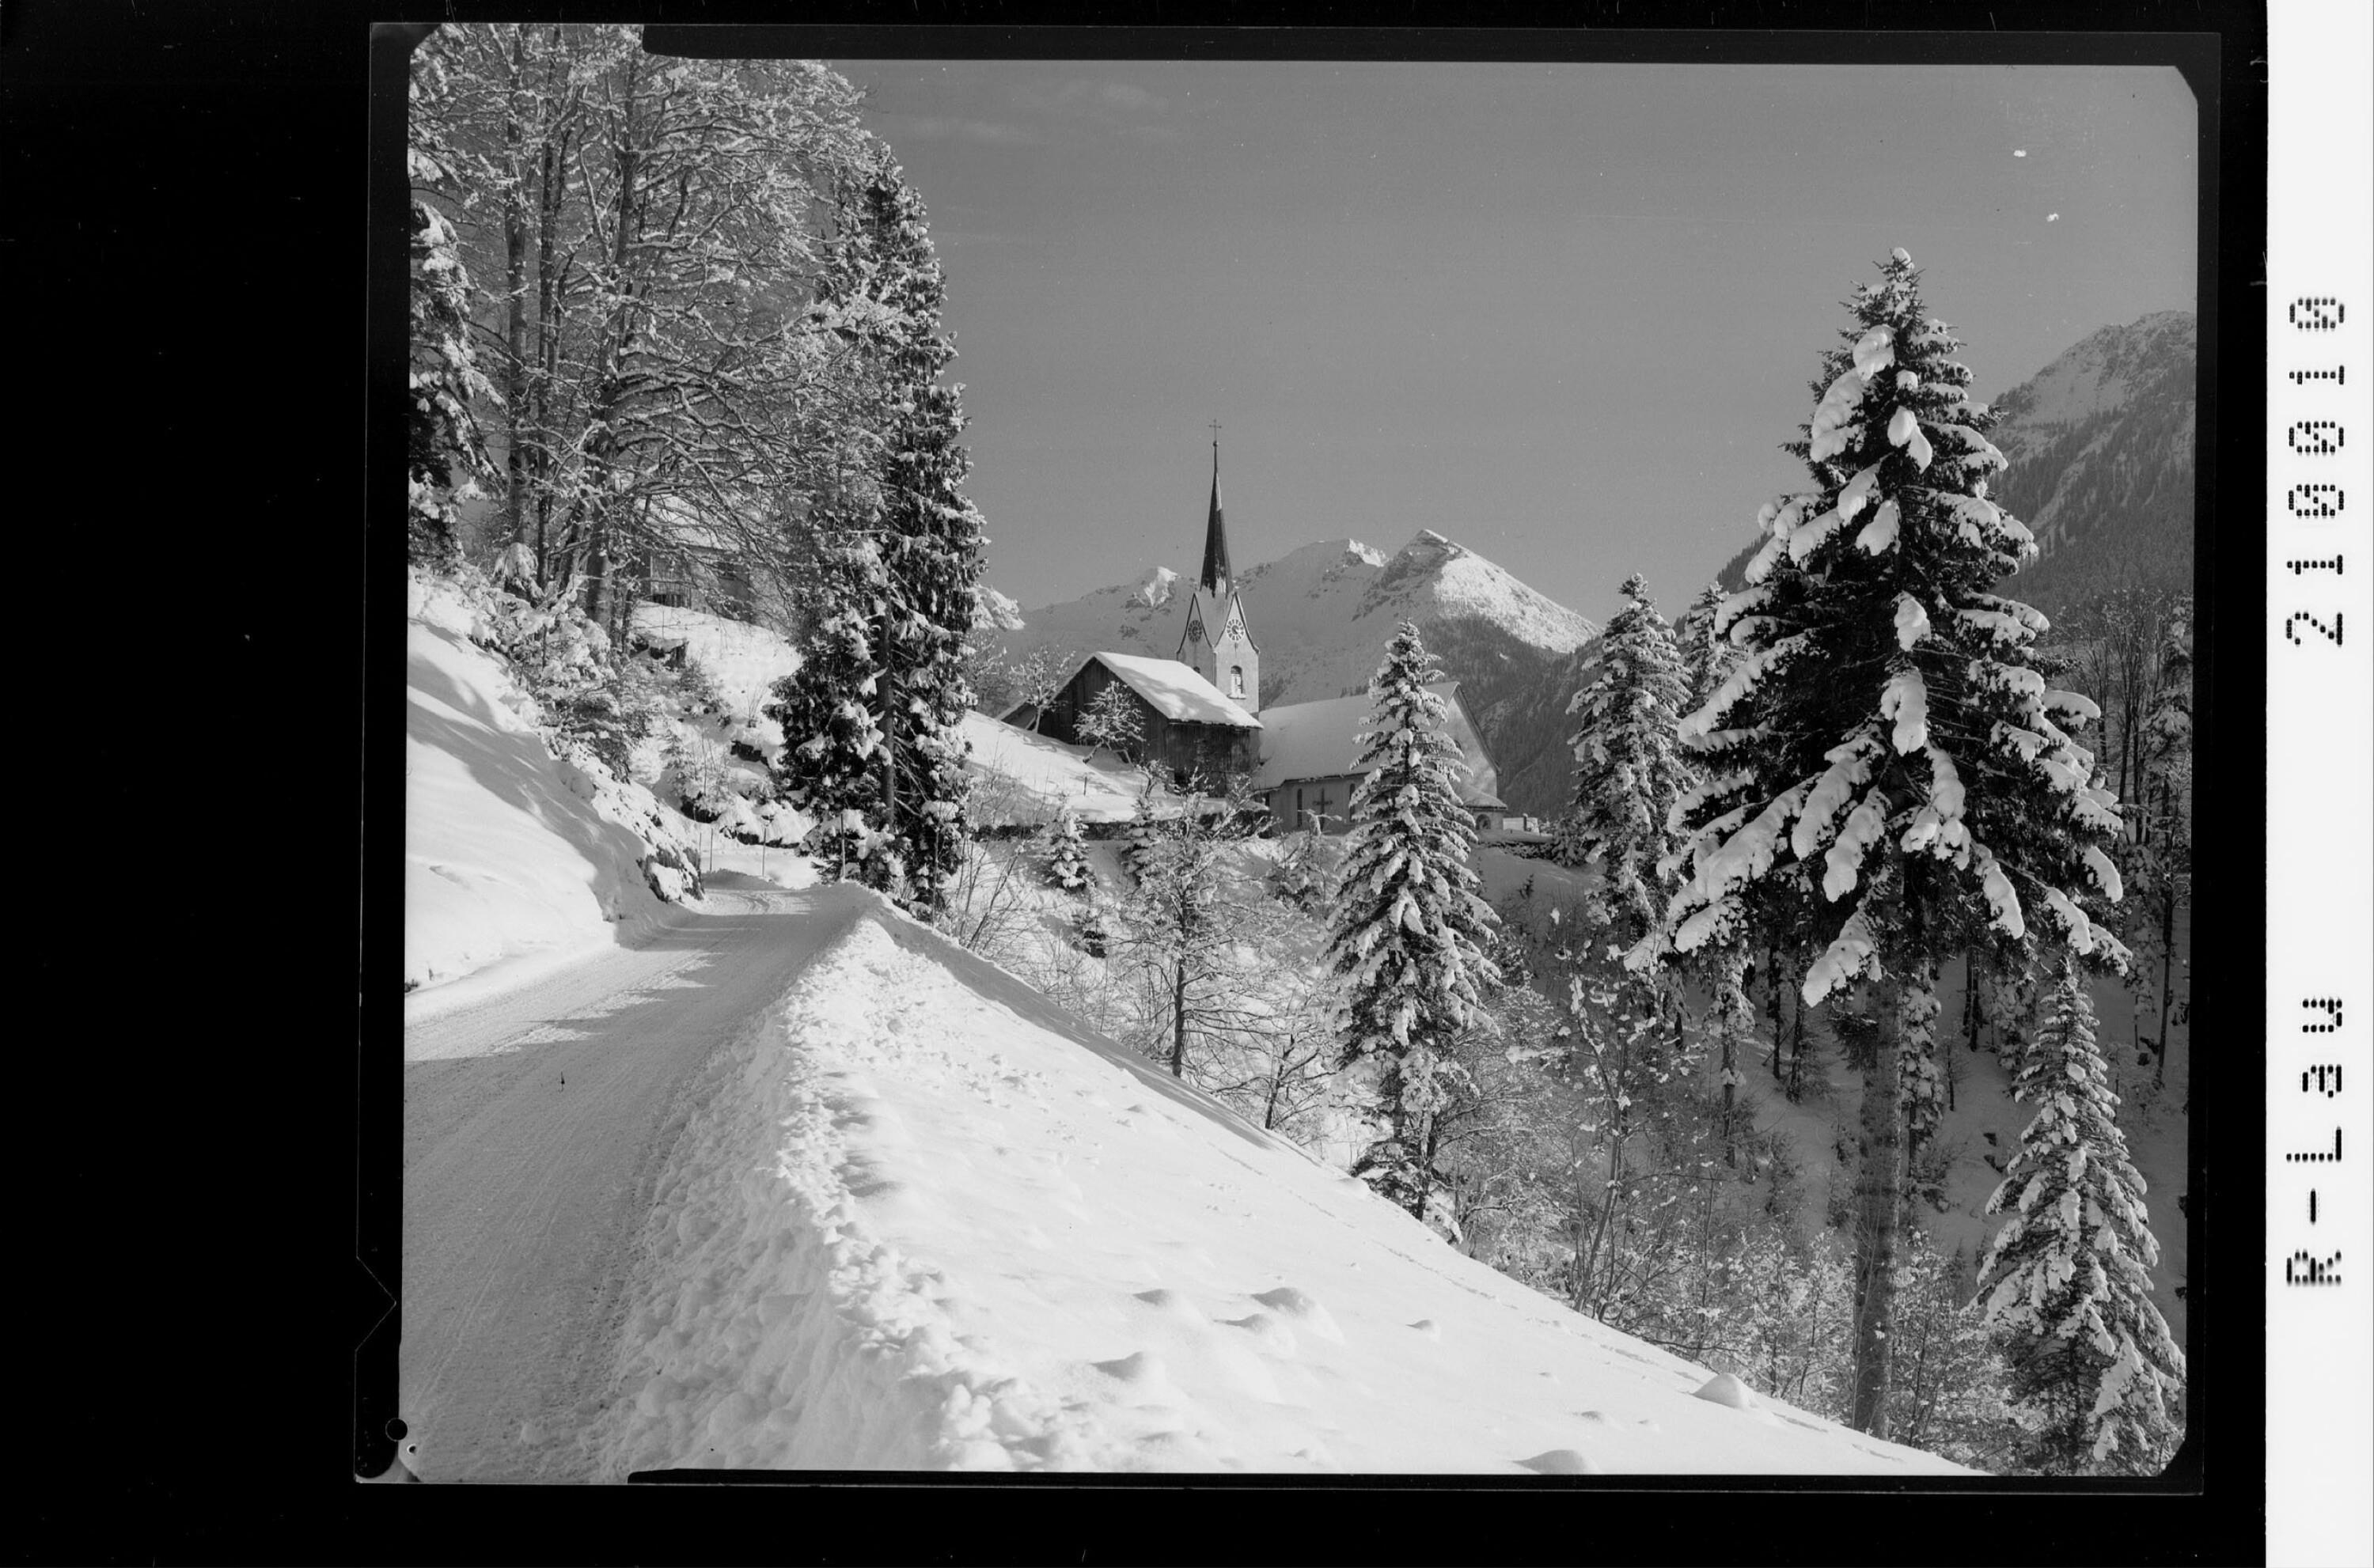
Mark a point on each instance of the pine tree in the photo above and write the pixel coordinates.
(895, 589)
(830, 766)
(1630, 768)
(1707, 657)
(931, 543)
(1411, 926)
(1067, 853)
(2097, 1380)
(443, 451)
(1887, 738)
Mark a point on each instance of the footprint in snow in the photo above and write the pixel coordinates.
(1141, 1368)
(1303, 1309)
(1429, 1328)
(1171, 1303)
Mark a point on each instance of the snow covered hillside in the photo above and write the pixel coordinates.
(1021, 778)
(509, 851)
(922, 1219)
(1322, 615)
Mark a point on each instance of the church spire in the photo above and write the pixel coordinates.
(1217, 577)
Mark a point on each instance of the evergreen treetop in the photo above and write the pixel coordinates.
(1886, 736)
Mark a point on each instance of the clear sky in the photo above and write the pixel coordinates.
(1562, 313)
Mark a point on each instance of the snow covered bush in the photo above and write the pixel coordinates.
(2097, 1380)
(1111, 722)
(1305, 873)
(1064, 854)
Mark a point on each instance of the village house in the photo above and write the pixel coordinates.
(1184, 721)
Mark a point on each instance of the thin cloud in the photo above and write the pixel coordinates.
(1131, 98)
(1080, 94)
(944, 128)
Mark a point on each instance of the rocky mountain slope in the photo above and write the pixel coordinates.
(1321, 616)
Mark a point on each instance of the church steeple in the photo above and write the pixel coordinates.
(1216, 642)
(1216, 576)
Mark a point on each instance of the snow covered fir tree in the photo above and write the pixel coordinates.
(881, 688)
(1889, 779)
(1629, 766)
(2097, 1380)
(1411, 926)
(1307, 1029)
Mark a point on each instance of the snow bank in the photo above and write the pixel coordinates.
(507, 849)
(926, 1221)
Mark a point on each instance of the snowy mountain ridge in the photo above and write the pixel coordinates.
(1323, 613)
(2101, 443)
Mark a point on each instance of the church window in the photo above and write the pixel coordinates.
(1235, 680)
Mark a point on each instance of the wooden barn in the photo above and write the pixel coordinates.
(1187, 723)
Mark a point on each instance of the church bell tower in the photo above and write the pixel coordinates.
(1217, 644)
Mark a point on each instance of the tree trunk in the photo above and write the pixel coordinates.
(1772, 1005)
(1796, 1038)
(1879, 1182)
(1179, 1018)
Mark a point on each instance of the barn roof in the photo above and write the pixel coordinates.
(1176, 691)
(1321, 740)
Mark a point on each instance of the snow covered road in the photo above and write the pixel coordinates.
(537, 1121)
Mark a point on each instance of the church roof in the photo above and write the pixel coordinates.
(1321, 740)
(1216, 577)
(1176, 691)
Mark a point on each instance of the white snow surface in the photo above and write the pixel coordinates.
(925, 1220)
(744, 661)
(1023, 777)
(509, 851)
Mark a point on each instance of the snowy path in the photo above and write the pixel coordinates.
(536, 1123)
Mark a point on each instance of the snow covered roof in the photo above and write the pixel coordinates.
(1176, 691)
(1320, 739)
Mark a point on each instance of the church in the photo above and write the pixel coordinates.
(1200, 710)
